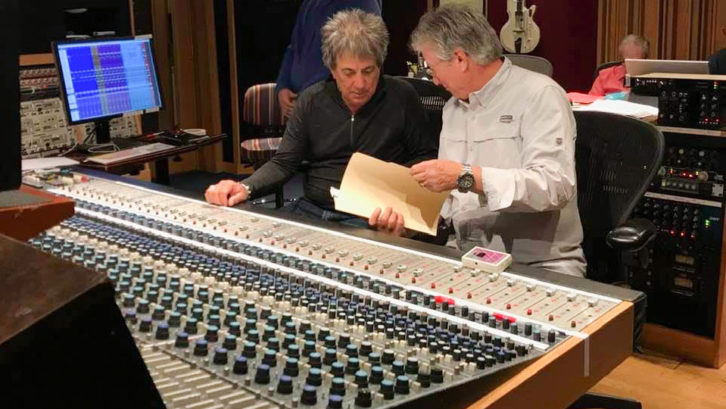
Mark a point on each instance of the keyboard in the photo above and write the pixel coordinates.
(127, 154)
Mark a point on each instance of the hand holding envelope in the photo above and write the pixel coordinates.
(370, 183)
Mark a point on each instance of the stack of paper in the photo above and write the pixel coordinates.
(639, 111)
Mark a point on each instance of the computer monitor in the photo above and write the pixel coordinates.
(104, 78)
(635, 67)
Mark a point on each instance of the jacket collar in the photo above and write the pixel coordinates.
(331, 89)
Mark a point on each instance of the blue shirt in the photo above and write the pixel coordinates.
(303, 62)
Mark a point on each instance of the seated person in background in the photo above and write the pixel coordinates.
(612, 79)
(717, 62)
(303, 65)
(359, 111)
(506, 151)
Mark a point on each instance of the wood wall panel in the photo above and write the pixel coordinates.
(677, 29)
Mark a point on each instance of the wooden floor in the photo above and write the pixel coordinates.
(662, 383)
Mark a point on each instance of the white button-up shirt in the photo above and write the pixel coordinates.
(520, 130)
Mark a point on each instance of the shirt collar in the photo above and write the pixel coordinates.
(481, 97)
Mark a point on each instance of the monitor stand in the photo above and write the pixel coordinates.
(103, 131)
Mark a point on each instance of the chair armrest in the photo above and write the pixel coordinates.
(631, 236)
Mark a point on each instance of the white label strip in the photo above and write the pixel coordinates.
(681, 199)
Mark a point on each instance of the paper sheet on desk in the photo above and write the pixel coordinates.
(369, 183)
(46, 163)
(639, 111)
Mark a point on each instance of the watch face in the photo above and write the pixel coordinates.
(465, 182)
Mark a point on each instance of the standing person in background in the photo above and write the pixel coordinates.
(303, 65)
(612, 79)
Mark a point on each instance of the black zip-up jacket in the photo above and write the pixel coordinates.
(392, 126)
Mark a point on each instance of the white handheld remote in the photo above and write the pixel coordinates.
(487, 260)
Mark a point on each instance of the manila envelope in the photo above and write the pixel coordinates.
(369, 183)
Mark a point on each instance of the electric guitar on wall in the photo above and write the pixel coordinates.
(520, 34)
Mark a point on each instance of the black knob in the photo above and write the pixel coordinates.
(330, 356)
(363, 399)
(182, 340)
(343, 340)
(315, 377)
(361, 379)
(249, 350)
(262, 376)
(387, 389)
(240, 365)
(374, 357)
(337, 368)
(212, 334)
(284, 386)
(270, 358)
(402, 385)
(365, 348)
(397, 368)
(551, 336)
(291, 367)
(335, 402)
(220, 356)
(200, 347)
(309, 395)
(412, 365)
(437, 375)
(351, 350)
(353, 366)
(388, 357)
(337, 386)
(191, 326)
(162, 331)
(376, 375)
(424, 378)
(315, 360)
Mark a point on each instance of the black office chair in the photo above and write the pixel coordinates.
(532, 63)
(616, 159)
(433, 98)
(603, 66)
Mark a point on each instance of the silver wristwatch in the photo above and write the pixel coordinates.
(465, 181)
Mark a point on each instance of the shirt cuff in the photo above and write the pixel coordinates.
(498, 186)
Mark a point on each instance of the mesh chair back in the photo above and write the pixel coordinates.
(532, 63)
(616, 159)
(603, 66)
(433, 98)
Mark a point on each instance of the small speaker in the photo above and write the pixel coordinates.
(63, 341)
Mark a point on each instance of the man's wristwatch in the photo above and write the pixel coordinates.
(465, 181)
(248, 188)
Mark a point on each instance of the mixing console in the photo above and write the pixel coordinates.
(235, 309)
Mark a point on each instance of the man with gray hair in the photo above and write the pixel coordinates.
(612, 79)
(506, 148)
(358, 110)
